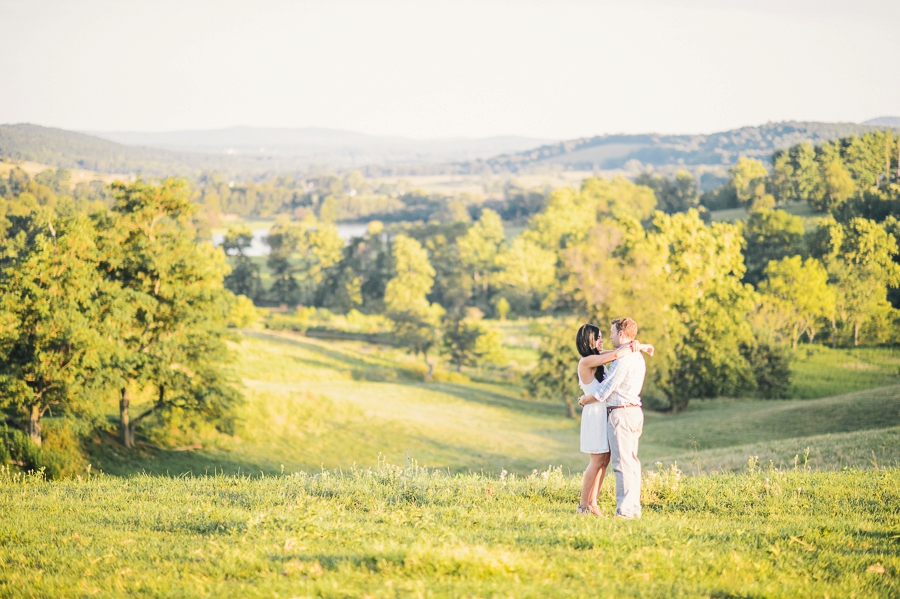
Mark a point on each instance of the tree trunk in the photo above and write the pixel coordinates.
(833, 333)
(459, 365)
(125, 429)
(430, 372)
(34, 425)
(132, 427)
(856, 333)
(570, 406)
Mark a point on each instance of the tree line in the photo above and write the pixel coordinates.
(351, 197)
(111, 296)
(724, 302)
(107, 305)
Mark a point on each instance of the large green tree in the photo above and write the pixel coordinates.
(478, 251)
(672, 195)
(799, 295)
(555, 377)
(769, 235)
(748, 179)
(54, 314)
(416, 322)
(301, 255)
(179, 304)
(860, 258)
(681, 281)
(244, 277)
(468, 342)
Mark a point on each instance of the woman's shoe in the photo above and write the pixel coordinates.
(595, 511)
(583, 510)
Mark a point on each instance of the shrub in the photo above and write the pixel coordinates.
(60, 456)
(242, 313)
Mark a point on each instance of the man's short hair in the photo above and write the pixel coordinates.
(627, 326)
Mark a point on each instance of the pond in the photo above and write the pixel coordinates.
(259, 247)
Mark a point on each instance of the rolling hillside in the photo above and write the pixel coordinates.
(324, 493)
(333, 147)
(322, 403)
(246, 151)
(606, 152)
(58, 147)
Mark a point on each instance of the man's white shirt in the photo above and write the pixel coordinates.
(624, 381)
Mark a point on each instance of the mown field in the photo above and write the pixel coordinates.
(406, 532)
(797, 498)
(316, 403)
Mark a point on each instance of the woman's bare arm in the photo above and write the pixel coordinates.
(605, 357)
(588, 364)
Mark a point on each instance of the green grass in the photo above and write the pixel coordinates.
(822, 371)
(321, 403)
(725, 423)
(405, 532)
(836, 451)
(796, 498)
(728, 215)
(314, 402)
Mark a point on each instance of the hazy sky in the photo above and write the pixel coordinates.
(430, 68)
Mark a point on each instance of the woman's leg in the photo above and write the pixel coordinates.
(602, 463)
(591, 474)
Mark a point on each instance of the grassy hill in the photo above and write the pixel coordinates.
(243, 151)
(304, 501)
(334, 147)
(323, 403)
(69, 149)
(606, 152)
(76, 175)
(406, 532)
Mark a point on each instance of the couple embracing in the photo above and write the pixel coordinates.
(612, 419)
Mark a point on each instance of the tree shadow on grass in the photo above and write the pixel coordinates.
(406, 376)
(112, 458)
(490, 398)
(349, 359)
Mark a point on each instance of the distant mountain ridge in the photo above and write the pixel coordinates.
(324, 146)
(884, 121)
(607, 152)
(70, 149)
(253, 152)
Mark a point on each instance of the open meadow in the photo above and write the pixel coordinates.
(349, 477)
(323, 403)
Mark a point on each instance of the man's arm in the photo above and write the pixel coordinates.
(615, 376)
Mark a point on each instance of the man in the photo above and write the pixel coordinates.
(625, 420)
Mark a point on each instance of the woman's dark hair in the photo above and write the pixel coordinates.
(585, 340)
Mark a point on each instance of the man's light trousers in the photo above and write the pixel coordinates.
(624, 426)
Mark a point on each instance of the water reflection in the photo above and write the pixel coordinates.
(259, 247)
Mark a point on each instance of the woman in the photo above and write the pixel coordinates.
(589, 342)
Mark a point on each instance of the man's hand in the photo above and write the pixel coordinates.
(586, 399)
